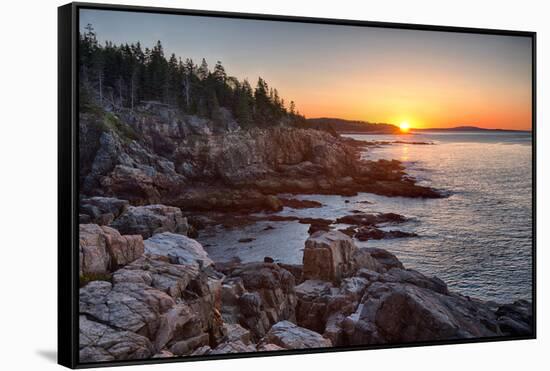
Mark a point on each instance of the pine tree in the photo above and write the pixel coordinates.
(203, 71)
(125, 75)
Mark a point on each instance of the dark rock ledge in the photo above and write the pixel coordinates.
(163, 297)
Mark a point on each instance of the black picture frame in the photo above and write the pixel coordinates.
(68, 257)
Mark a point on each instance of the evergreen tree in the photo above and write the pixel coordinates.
(203, 71)
(125, 75)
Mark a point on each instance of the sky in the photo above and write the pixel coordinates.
(424, 78)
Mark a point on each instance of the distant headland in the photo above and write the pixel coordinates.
(357, 126)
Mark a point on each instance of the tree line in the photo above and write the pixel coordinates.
(127, 75)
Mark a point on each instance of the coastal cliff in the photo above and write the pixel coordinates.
(163, 297)
(157, 154)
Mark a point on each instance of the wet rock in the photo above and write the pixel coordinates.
(295, 203)
(349, 231)
(181, 249)
(287, 335)
(400, 186)
(246, 240)
(151, 219)
(371, 219)
(373, 233)
(319, 221)
(328, 256)
(318, 227)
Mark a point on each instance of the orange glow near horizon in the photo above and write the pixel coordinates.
(404, 127)
(431, 79)
(426, 90)
(438, 101)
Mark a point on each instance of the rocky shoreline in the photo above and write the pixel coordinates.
(173, 159)
(152, 178)
(162, 296)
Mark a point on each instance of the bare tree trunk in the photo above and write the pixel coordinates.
(187, 91)
(120, 91)
(100, 89)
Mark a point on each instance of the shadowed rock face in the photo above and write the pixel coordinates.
(172, 301)
(400, 312)
(102, 210)
(257, 295)
(151, 219)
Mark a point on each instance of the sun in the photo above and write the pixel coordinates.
(404, 127)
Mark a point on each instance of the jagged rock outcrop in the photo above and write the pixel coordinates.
(172, 301)
(257, 295)
(175, 307)
(103, 249)
(148, 158)
(151, 219)
(328, 256)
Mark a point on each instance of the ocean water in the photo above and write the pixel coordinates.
(478, 240)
